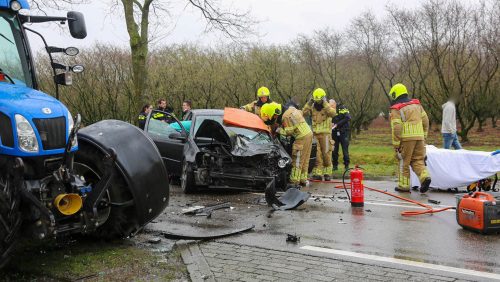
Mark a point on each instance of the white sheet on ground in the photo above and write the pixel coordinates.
(457, 168)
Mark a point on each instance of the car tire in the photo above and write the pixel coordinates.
(188, 185)
(10, 216)
(121, 221)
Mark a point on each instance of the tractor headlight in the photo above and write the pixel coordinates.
(71, 124)
(26, 136)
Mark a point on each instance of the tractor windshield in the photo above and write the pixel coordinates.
(13, 62)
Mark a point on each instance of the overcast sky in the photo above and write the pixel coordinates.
(280, 21)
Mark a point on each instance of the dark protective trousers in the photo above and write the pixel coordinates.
(340, 140)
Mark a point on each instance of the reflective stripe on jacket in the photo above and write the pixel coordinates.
(409, 121)
(294, 124)
(321, 120)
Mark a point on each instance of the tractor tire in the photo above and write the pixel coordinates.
(188, 184)
(121, 220)
(10, 216)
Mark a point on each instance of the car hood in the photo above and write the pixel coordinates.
(241, 118)
(239, 146)
(15, 98)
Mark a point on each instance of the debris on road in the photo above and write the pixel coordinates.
(291, 199)
(292, 238)
(434, 201)
(169, 235)
(206, 211)
(154, 240)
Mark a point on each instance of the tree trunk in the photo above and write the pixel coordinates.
(494, 122)
(138, 47)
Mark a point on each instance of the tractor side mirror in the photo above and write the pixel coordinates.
(64, 78)
(76, 23)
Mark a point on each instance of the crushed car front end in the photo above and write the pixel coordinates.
(238, 158)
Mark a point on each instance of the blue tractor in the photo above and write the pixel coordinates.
(106, 180)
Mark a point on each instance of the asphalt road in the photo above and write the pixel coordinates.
(329, 226)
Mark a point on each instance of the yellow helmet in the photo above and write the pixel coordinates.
(268, 110)
(263, 92)
(319, 94)
(397, 90)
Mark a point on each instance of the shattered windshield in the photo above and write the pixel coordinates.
(255, 136)
(12, 60)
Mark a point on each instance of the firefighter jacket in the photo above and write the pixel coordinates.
(409, 121)
(294, 124)
(254, 107)
(321, 116)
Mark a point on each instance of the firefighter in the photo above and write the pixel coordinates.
(321, 113)
(291, 122)
(340, 134)
(410, 124)
(264, 97)
(141, 119)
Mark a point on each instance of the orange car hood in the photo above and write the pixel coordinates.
(242, 118)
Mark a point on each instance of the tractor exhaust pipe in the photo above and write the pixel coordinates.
(68, 204)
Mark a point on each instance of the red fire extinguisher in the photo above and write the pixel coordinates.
(357, 188)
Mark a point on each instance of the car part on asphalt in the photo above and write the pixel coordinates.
(292, 238)
(291, 199)
(207, 211)
(174, 236)
(434, 201)
(479, 212)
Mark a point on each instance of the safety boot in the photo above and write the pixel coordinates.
(327, 177)
(304, 183)
(317, 177)
(424, 187)
(398, 189)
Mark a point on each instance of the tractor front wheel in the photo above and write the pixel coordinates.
(10, 214)
(117, 214)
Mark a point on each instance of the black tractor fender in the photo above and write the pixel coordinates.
(138, 161)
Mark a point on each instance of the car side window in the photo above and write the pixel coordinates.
(200, 119)
(160, 128)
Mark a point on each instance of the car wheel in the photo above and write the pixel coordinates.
(187, 178)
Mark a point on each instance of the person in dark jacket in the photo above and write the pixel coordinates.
(162, 106)
(340, 134)
(186, 110)
(141, 119)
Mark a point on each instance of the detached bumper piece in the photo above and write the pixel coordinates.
(290, 200)
(173, 236)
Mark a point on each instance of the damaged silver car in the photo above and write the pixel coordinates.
(220, 149)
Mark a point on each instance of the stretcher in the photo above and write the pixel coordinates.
(457, 168)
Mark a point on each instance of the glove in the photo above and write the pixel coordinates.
(310, 102)
(242, 107)
(325, 103)
(280, 131)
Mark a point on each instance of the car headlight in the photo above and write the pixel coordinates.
(283, 162)
(26, 136)
(71, 124)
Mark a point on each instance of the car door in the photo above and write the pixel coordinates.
(170, 139)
